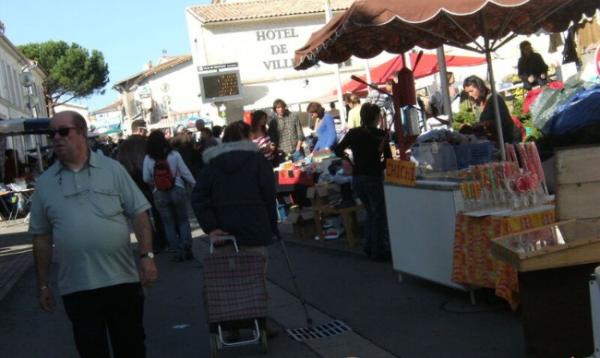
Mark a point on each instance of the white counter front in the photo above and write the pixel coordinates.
(421, 222)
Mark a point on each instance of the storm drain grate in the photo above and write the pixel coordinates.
(329, 329)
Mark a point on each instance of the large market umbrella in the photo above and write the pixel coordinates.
(428, 65)
(22, 126)
(372, 26)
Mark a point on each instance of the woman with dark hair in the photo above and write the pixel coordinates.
(370, 149)
(324, 127)
(484, 108)
(533, 70)
(258, 134)
(163, 164)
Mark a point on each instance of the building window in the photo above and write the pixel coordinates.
(18, 90)
(3, 81)
(11, 86)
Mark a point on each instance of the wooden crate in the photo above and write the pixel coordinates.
(562, 244)
(577, 182)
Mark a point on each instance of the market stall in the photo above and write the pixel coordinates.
(15, 196)
(370, 27)
(553, 263)
(315, 197)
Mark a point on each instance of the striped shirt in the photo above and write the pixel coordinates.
(264, 146)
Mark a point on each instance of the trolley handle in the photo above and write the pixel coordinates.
(214, 239)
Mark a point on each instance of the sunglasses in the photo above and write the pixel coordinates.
(62, 131)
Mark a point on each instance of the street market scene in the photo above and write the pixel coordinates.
(300, 178)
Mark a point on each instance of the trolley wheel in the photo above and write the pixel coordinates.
(264, 345)
(214, 345)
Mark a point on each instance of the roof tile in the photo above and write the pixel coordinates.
(230, 12)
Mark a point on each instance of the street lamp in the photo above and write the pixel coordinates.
(28, 81)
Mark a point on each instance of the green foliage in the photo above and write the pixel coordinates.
(73, 72)
(465, 115)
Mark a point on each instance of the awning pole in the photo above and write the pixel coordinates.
(368, 71)
(441, 57)
(39, 153)
(488, 57)
(340, 98)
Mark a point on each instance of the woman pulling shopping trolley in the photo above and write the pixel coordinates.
(235, 196)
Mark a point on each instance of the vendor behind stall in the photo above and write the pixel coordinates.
(324, 127)
(533, 71)
(285, 131)
(370, 149)
(484, 109)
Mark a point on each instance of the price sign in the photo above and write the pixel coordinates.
(401, 172)
(220, 86)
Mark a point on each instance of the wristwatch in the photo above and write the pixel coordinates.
(149, 255)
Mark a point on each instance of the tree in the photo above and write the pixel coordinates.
(72, 71)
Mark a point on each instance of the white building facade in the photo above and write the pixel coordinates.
(14, 102)
(21, 96)
(261, 38)
(164, 95)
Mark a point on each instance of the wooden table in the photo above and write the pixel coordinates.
(348, 215)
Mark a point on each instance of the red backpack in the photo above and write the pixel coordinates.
(163, 178)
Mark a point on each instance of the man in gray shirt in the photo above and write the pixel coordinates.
(81, 205)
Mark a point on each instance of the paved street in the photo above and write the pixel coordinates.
(388, 319)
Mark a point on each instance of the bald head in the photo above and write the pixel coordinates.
(76, 120)
(69, 132)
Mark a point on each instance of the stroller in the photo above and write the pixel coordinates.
(235, 295)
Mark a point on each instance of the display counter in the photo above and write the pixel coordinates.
(431, 238)
(421, 222)
(473, 263)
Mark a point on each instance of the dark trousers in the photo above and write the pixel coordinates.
(370, 191)
(117, 310)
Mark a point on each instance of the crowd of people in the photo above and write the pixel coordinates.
(227, 180)
(224, 175)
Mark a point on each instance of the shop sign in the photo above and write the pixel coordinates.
(221, 66)
(279, 46)
(401, 172)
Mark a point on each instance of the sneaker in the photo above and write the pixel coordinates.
(331, 234)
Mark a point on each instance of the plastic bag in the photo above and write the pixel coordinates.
(577, 112)
(545, 105)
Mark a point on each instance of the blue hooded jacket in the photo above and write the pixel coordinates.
(326, 135)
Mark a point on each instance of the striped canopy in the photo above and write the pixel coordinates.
(372, 26)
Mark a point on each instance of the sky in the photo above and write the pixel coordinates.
(127, 32)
